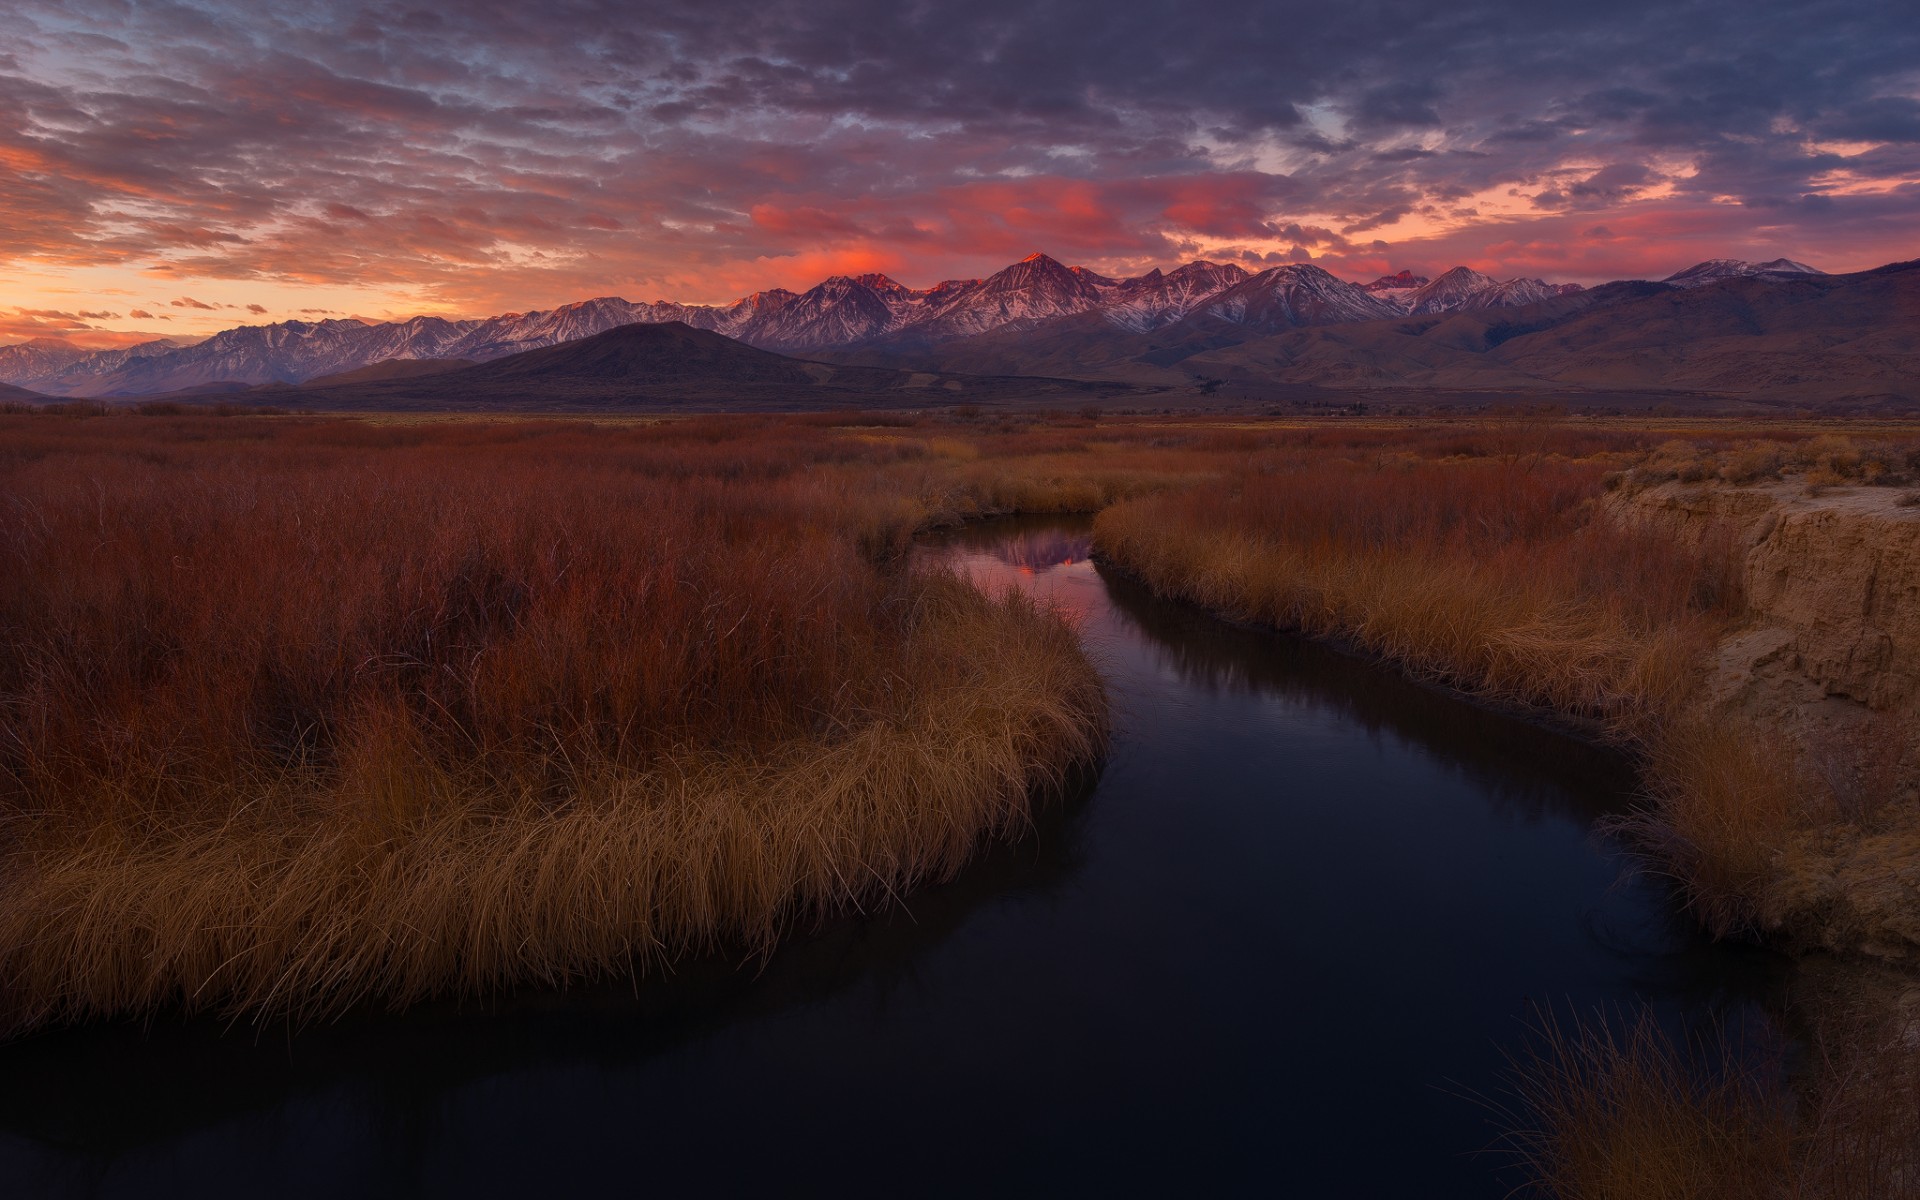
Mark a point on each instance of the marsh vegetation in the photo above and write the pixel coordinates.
(305, 713)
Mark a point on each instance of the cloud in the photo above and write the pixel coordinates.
(257, 308)
(25, 324)
(190, 302)
(507, 157)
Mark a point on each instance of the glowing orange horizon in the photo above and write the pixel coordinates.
(962, 231)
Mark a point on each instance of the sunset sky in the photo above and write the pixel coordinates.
(175, 169)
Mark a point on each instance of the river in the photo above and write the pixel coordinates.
(1280, 946)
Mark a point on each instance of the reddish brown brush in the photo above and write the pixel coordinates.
(300, 714)
(1621, 1110)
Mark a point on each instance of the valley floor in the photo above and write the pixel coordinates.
(307, 712)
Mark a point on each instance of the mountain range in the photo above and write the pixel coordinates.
(658, 364)
(846, 313)
(1792, 339)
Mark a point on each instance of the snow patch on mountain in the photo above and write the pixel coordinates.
(842, 312)
(1157, 299)
(1716, 269)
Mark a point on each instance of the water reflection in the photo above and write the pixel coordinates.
(1527, 772)
(1296, 916)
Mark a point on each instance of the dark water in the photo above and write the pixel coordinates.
(1273, 950)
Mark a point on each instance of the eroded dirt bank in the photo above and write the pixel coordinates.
(1824, 674)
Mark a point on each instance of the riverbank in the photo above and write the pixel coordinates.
(327, 713)
(1758, 660)
(1817, 688)
(1166, 930)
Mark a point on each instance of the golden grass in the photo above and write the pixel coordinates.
(304, 714)
(1620, 1111)
(1486, 564)
(1481, 573)
(396, 883)
(1482, 558)
(1727, 803)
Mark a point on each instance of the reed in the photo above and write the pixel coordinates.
(305, 714)
(1484, 573)
(1727, 804)
(1622, 1110)
(1618, 1108)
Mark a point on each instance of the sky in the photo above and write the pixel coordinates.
(172, 169)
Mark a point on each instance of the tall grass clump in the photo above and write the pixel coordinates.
(1619, 1108)
(1622, 1110)
(1726, 803)
(317, 713)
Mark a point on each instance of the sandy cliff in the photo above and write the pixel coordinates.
(1829, 661)
(1832, 584)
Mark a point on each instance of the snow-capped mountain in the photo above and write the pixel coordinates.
(295, 351)
(1716, 269)
(1396, 288)
(38, 359)
(1459, 288)
(865, 312)
(1291, 296)
(253, 354)
(1464, 288)
(1401, 281)
(1157, 299)
(1529, 291)
(512, 333)
(843, 311)
(1032, 290)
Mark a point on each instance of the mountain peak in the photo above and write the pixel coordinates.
(1401, 279)
(880, 283)
(1092, 276)
(1787, 266)
(1292, 295)
(1713, 270)
(1459, 275)
(1041, 271)
(1201, 268)
(771, 298)
(1300, 271)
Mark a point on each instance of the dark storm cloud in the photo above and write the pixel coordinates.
(498, 149)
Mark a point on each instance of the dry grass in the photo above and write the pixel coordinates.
(1486, 564)
(1618, 1110)
(1485, 572)
(1480, 556)
(1622, 1110)
(1821, 461)
(301, 714)
(1727, 802)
